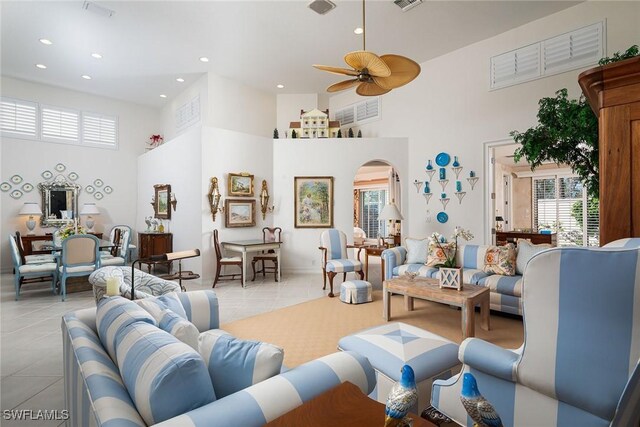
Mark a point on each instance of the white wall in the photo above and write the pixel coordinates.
(168, 115)
(340, 158)
(117, 168)
(289, 106)
(449, 106)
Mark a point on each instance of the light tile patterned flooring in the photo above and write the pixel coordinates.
(31, 341)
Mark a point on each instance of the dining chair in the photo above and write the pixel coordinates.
(125, 231)
(32, 259)
(80, 257)
(269, 235)
(222, 261)
(335, 258)
(28, 273)
(120, 258)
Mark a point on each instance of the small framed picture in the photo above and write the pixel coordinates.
(240, 185)
(239, 213)
(313, 201)
(161, 204)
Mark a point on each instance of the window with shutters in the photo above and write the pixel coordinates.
(18, 118)
(559, 205)
(345, 116)
(359, 113)
(372, 201)
(99, 130)
(60, 124)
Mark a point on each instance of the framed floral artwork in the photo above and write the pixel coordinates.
(313, 201)
(161, 205)
(239, 213)
(240, 185)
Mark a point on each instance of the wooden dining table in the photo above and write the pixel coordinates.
(257, 245)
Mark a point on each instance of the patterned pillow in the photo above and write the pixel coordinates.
(436, 255)
(236, 364)
(501, 260)
(416, 250)
(526, 250)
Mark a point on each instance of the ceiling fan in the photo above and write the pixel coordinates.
(373, 74)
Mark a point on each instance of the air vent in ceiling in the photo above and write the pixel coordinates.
(321, 6)
(90, 6)
(406, 4)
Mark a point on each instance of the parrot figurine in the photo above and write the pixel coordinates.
(479, 409)
(402, 397)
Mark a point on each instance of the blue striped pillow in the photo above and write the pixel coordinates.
(171, 321)
(236, 364)
(163, 376)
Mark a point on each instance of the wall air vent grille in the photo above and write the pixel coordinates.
(188, 114)
(321, 6)
(406, 5)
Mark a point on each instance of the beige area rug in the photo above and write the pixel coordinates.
(312, 329)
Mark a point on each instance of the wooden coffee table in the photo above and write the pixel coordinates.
(429, 289)
(344, 405)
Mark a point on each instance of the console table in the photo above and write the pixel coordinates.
(150, 244)
(29, 243)
(504, 237)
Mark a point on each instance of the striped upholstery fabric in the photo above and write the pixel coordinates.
(265, 401)
(355, 292)
(201, 309)
(421, 269)
(472, 256)
(336, 243)
(628, 243)
(344, 265)
(390, 346)
(171, 317)
(505, 285)
(505, 303)
(236, 364)
(579, 365)
(473, 275)
(393, 258)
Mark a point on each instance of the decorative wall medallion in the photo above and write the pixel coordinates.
(108, 190)
(98, 195)
(16, 194)
(89, 189)
(60, 167)
(16, 179)
(73, 176)
(5, 186)
(27, 188)
(47, 174)
(442, 159)
(98, 183)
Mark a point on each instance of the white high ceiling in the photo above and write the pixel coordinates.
(146, 45)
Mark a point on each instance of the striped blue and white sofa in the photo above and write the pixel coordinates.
(579, 364)
(96, 395)
(506, 291)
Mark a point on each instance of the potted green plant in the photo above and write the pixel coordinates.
(450, 275)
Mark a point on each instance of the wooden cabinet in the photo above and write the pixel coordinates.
(504, 237)
(613, 91)
(154, 244)
(35, 244)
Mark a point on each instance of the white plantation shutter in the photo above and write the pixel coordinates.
(99, 130)
(514, 67)
(60, 124)
(18, 118)
(345, 116)
(368, 109)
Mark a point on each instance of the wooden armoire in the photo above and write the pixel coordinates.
(613, 91)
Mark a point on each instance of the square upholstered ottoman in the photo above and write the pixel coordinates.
(389, 347)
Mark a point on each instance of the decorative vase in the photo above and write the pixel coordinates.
(429, 166)
(456, 163)
(450, 278)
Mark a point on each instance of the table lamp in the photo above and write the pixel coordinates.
(89, 209)
(391, 213)
(30, 209)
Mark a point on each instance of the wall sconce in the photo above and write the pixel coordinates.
(264, 200)
(174, 202)
(214, 198)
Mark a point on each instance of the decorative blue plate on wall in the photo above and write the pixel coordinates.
(443, 159)
(442, 217)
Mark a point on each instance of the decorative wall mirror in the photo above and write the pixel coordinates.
(59, 202)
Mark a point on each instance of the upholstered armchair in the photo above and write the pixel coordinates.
(578, 365)
(333, 244)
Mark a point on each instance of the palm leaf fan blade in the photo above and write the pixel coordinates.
(346, 84)
(403, 71)
(336, 70)
(361, 59)
(370, 89)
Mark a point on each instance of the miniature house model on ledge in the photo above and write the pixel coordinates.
(315, 124)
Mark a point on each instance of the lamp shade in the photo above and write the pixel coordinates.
(390, 212)
(30, 208)
(499, 219)
(89, 209)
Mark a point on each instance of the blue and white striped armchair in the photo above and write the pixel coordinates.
(335, 259)
(578, 365)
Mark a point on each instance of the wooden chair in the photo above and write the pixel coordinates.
(221, 261)
(32, 272)
(268, 235)
(32, 259)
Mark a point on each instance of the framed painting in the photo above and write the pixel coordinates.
(240, 185)
(313, 201)
(239, 213)
(161, 204)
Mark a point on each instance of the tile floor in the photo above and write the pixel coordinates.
(31, 342)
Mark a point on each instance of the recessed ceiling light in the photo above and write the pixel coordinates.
(41, 66)
(180, 80)
(358, 30)
(280, 86)
(204, 59)
(46, 41)
(96, 55)
(86, 77)
(163, 95)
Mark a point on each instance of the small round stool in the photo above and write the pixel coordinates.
(355, 292)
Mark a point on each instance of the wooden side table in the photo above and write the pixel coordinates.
(372, 251)
(344, 405)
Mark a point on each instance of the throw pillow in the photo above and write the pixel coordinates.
(164, 377)
(171, 317)
(526, 250)
(416, 250)
(436, 255)
(500, 260)
(236, 364)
